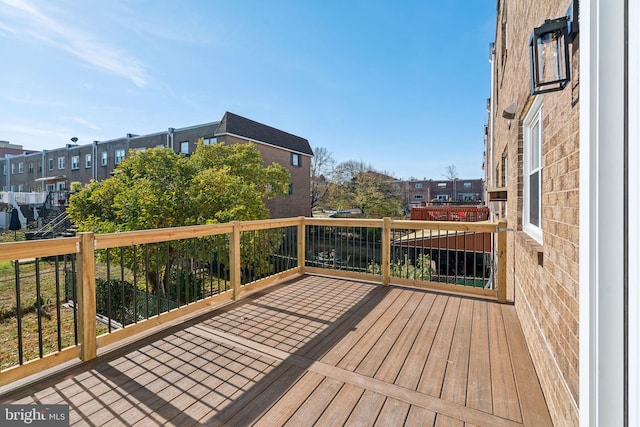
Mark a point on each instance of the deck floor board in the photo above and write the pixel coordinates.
(313, 351)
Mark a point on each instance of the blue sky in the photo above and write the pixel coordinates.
(400, 85)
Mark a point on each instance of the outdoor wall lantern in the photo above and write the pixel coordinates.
(549, 50)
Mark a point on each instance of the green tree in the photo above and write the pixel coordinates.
(375, 194)
(158, 188)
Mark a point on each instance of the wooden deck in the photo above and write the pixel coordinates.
(314, 351)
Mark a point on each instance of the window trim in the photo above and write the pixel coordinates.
(61, 163)
(88, 161)
(104, 158)
(533, 117)
(75, 162)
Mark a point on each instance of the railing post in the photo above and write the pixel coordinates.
(234, 260)
(502, 261)
(86, 279)
(386, 251)
(301, 245)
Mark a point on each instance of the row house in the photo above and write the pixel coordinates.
(54, 170)
(421, 192)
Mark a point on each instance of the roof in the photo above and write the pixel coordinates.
(237, 125)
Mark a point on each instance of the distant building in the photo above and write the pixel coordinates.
(54, 170)
(421, 192)
(7, 148)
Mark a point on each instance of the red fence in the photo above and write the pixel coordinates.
(449, 213)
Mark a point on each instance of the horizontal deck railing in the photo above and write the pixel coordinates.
(62, 299)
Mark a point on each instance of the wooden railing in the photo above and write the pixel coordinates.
(447, 256)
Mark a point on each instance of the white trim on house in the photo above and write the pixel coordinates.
(634, 213)
(532, 163)
(602, 231)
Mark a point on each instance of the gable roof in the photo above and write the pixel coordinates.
(237, 125)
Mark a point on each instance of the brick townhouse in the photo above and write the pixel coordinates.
(56, 169)
(424, 191)
(532, 174)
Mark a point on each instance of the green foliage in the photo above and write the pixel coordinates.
(420, 271)
(375, 194)
(158, 188)
(124, 303)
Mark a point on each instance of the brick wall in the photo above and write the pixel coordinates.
(542, 278)
(299, 202)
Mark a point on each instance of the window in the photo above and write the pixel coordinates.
(13, 168)
(442, 197)
(418, 196)
(87, 161)
(20, 167)
(119, 156)
(21, 188)
(296, 160)
(184, 147)
(290, 192)
(31, 167)
(39, 167)
(419, 185)
(60, 163)
(209, 141)
(50, 164)
(467, 185)
(532, 171)
(103, 158)
(442, 185)
(75, 162)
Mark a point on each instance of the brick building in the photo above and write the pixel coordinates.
(420, 192)
(56, 169)
(532, 174)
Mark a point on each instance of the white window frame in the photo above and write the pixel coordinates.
(418, 196)
(119, 157)
(75, 162)
(104, 158)
(210, 141)
(50, 165)
(419, 185)
(532, 164)
(60, 163)
(87, 161)
(30, 167)
(21, 167)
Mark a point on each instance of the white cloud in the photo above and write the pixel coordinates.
(25, 21)
(84, 123)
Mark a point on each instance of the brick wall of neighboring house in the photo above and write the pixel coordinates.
(542, 277)
(298, 203)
